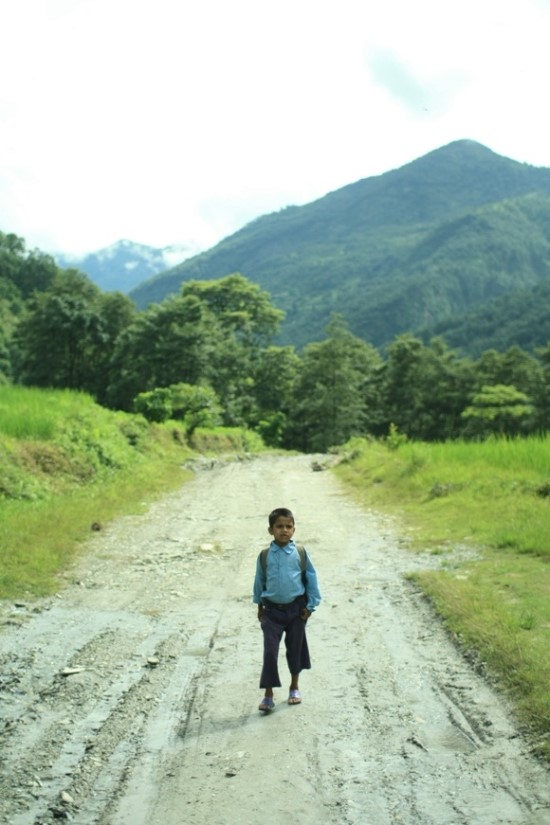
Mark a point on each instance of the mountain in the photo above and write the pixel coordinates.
(520, 318)
(411, 248)
(125, 264)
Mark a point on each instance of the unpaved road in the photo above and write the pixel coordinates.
(131, 697)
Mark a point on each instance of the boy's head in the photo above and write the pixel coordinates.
(281, 525)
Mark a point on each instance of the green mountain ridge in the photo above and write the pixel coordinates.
(521, 318)
(410, 249)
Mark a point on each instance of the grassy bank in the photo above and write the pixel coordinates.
(493, 499)
(67, 464)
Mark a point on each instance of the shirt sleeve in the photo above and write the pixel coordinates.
(312, 586)
(259, 582)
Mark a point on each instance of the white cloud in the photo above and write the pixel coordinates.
(173, 121)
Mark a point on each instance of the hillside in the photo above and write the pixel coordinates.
(521, 317)
(414, 247)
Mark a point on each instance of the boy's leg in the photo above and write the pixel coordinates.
(294, 697)
(272, 631)
(297, 651)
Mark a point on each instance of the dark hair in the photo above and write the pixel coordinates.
(279, 511)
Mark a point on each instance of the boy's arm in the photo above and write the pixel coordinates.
(259, 587)
(312, 587)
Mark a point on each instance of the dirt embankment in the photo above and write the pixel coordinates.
(131, 697)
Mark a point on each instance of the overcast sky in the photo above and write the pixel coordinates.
(174, 121)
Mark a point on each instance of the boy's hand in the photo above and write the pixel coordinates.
(260, 612)
(305, 614)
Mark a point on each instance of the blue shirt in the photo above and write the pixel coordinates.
(282, 581)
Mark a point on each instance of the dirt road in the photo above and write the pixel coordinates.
(131, 697)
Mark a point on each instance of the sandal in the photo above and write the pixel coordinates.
(294, 697)
(266, 704)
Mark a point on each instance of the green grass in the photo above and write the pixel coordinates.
(35, 414)
(40, 538)
(66, 462)
(492, 498)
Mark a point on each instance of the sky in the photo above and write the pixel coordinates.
(179, 121)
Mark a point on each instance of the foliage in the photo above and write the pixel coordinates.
(424, 388)
(520, 317)
(335, 390)
(27, 271)
(208, 335)
(67, 463)
(54, 440)
(442, 482)
(498, 408)
(214, 339)
(195, 406)
(239, 306)
(225, 440)
(22, 273)
(409, 250)
(64, 337)
(395, 439)
(274, 371)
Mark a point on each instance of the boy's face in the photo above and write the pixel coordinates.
(282, 530)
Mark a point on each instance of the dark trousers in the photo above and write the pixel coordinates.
(277, 620)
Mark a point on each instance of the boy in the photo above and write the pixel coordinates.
(286, 596)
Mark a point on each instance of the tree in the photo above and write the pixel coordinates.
(425, 389)
(514, 367)
(196, 406)
(170, 343)
(240, 307)
(117, 313)
(59, 340)
(209, 334)
(28, 271)
(274, 372)
(247, 322)
(333, 390)
(499, 409)
(543, 399)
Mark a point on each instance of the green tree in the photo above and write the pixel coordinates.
(518, 369)
(499, 409)
(274, 372)
(425, 388)
(170, 343)
(514, 367)
(240, 307)
(247, 322)
(209, 334)
(59, 340)
(196, 406)
(28, 271)
(117, 313)
(543, 398)
(334, 394)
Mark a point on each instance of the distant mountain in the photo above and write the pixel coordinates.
(125, 264)
(407, 250)
(520, 318)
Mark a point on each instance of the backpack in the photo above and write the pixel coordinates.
(303, 561)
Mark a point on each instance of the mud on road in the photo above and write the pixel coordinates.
(130, 698)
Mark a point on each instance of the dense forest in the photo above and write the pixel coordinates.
(207, 356)
(455, 239)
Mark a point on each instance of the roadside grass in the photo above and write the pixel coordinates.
(34, 413)
(484, 508)
(67, 464)
(39, 539)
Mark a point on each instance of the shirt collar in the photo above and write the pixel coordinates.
(288, 548)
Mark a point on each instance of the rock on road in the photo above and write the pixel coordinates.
(130, 698)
